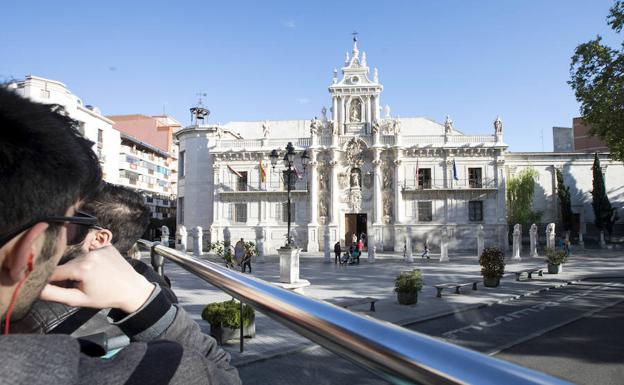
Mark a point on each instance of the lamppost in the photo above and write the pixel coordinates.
(291, 177)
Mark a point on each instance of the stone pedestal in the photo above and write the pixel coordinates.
(550, 236)
(371, 253)
(533, 235)
(327, 246)
(444, 238)
(197, 234)
(164, 235)
(408, 250)
(480, 240)
(181, 238)
(517, 242)
(581, 243)
(289, 269)
(313, 241)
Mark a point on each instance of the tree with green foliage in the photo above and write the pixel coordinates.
(604, 215)
(597, 77)
(565, 203)
(520, 191)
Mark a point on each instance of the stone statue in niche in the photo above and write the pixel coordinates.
(387, 179)
(387, 207)
(322, 208)
(266, 129)
(342, 180)
(355, 178)
(323, 181)
(356, 111)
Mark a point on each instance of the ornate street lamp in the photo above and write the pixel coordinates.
(291, 176)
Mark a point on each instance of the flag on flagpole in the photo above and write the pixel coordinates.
(238, 174)
(262, 172)
(455, 170)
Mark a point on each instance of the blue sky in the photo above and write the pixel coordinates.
(274, 59)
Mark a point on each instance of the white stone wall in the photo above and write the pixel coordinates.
(577, 174)
(47, 91)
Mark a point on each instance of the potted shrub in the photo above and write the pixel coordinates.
(407, 285)
(492, 261)
(556, 259)
(223, 250)
(225, 318)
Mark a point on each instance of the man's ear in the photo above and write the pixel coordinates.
(25, 249)
(102, 238)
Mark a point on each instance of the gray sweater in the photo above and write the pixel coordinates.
(168, 348)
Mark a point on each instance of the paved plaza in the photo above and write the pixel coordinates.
(376, 280)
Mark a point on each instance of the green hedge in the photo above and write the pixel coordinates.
(227, 314)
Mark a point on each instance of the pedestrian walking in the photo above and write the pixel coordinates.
(337, 252)
(426, 251)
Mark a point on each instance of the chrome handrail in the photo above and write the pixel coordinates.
(396, 354)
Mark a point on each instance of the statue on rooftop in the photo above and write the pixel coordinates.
(266, 129)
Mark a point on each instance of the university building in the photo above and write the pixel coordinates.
(367, 172)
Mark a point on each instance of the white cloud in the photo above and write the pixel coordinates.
(289, 24)
(303, 100)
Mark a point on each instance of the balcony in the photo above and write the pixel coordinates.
(485, 184)
(272, 187)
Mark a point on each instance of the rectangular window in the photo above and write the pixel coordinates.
(181, 163)
(424, 178)
(425, 211)
(474, 178)
(285, 212)
(240, 212)
(475, 211)
(241, 183)
(100, 138)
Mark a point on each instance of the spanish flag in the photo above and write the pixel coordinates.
(262, 172)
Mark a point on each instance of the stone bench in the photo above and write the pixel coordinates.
(529, 272)
(455, 285)
(352, 301)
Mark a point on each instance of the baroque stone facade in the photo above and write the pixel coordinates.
(372, 173)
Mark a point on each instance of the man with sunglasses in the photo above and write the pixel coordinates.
(46, 169)
(122, 217)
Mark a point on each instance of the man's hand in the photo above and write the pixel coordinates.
(102, 279)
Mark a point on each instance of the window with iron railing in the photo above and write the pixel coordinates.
(424, 178)
(474, 178)
(240, 212)
(241, 182)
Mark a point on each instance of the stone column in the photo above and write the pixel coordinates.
(376, 109)
(398, 197)
(377, 193)
(480, 240)
(181, 238)
(217, 205)
(533, 237)
(197, 234)
(313, 194)
(335, 109)
(580, 242)
(164, 235)
(368, 114)
(517, 241)
(372, 247)
(335, 190)
(327, 246)
(444, 245)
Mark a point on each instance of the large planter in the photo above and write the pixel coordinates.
(491, 281)
(555, 269)
(407, 298)
(224, 334)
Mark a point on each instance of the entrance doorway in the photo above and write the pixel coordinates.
(355, 224)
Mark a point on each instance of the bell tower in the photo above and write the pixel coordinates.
(355, 97)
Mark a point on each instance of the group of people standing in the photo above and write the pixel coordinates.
(353, 253)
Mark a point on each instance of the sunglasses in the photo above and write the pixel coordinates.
(78, 227)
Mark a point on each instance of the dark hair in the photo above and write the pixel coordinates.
(122, 211)
(45, 164)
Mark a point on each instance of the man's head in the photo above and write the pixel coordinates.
(121, 212)
(46, 168)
